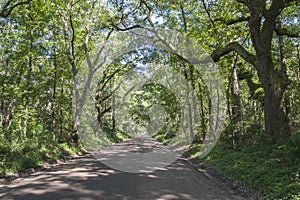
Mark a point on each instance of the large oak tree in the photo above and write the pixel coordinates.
(263, 24)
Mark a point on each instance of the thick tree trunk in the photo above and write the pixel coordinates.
(262, 25)
(274, 82)
(276, 122)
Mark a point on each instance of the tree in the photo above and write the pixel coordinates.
(83, 24)
(262, 25)
(262, 18)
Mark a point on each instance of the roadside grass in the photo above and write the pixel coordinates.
(18, 157)
(272, 170)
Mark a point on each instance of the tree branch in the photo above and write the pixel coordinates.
(208, 13)
(73, 60)
(242, 1)
(7, 9)
(233, 21)
(248, 57)
(270, 20)
(285, 32)
(150, 12)
(128, 28)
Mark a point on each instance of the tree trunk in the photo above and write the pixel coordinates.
(113, 112)
(283, 70)
(276, 122)
(190, 115)
(61, 114)
(203, 121)
(298, 55)
(273, 81)
(236, 93)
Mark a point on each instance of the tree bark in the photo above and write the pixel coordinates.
(283, 70)
(273, 81)
(276, 122)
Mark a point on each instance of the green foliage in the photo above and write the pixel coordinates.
(106, 127)
(40, 52)
(271, 170)
(31, 153)
(42, 49)
(153, 94)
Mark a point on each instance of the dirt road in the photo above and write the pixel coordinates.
(85, 178)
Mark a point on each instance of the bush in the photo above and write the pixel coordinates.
(19, 156)
(270, 169)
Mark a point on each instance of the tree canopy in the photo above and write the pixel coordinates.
(45, 44)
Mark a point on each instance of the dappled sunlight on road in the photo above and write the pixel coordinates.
(85, 178)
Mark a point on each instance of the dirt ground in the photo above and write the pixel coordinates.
(86, 178)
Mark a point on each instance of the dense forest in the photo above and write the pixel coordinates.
(45, 46)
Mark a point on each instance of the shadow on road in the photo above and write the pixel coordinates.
(85, 178)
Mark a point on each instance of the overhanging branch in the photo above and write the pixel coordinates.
(127, 28)
(248, 57)
(233, 21)
(7, 8)
(285, 32)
